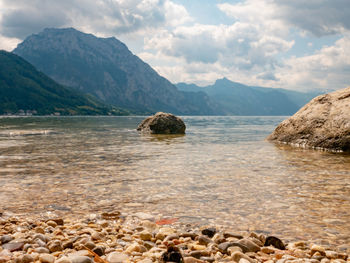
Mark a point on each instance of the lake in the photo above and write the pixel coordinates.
(222, 172)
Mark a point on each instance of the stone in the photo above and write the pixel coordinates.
(275, 242)
(207, 259)
(13, 246)
(55, 246)
(331, 254)
(251, 246)
(227, 235)
(203, 240)
(210, 232)
(162, 123)
(5, 239)
(146, 236)
(136, 248)
(51, 223)
(117, 257)
(172, 254)
(63, 259)
(316, 248)
(322, 123)
(99, 250)
(231, 250)
(268, 250)
(41, 250)
(81, 259)
(67, 244)
(26, 258)
(147, 260)
(192, 260)
(237, 256)
(46, 258)
(40, 236)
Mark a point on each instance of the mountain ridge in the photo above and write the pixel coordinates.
(238, 99)
(23, 89)
(105, 68)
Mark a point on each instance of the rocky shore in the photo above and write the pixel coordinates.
(115, 237)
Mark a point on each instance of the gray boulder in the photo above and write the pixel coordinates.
(162, 123)
(323, 123)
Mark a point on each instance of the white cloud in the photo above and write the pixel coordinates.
(104, 17)
(8, 43)
(327, 69)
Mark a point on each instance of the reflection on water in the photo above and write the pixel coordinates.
(221, 172)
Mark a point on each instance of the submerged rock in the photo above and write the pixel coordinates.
(162, 123)
(323, 123)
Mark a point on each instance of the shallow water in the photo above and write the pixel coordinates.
(221, 172)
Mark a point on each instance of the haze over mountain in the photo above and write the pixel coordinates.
(105, 68)
(237, 99)
(23, 89)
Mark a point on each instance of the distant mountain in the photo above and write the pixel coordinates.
(237, 99)
(105, 68)
(23, 90)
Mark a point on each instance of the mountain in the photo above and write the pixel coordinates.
(237, 99)
(105, 68)
(24, 89)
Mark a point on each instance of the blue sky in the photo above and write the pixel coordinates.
(300, 45)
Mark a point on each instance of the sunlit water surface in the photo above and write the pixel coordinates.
(222, 172)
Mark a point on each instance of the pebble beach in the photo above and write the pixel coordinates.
(115, 237)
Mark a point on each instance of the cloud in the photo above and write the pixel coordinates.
(319, 17)
(242, 45)
(105, 17)
(327, 69)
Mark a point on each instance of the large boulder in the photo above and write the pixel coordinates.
(323, 123)
(162, 123)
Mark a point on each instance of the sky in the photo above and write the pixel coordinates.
(299, 45)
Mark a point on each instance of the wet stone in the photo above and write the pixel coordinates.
(99, 250)
(210, 232)
(275, 242)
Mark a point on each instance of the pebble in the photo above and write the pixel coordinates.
(81, 259)
(63, 259)
(130, 238)
(250, 245)
(46, 258)
(116, 257)
(13, 246)
(5, 239)
(210, 232)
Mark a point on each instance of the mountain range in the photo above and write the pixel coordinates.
(23, 89)
(105, 68)
(234, 98)
(104, 72)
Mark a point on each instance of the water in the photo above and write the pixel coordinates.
(221, 172)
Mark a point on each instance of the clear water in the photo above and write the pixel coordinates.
(222, 172)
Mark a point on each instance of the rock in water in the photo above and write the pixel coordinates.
(162, 123)
(323, 123)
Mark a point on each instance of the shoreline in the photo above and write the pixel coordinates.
(141, 237)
